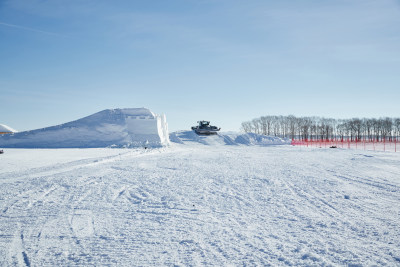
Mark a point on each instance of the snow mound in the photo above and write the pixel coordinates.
(6, 129)
(227, 138)
(131, 127)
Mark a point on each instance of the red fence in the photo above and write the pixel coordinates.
(384, 145)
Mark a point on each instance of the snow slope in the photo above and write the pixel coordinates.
(199, 205)
(226, 138)
(111, 127)
(6, 129)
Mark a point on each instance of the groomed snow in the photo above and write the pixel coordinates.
(197, 204)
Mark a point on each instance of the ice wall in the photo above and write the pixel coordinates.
(147, 128)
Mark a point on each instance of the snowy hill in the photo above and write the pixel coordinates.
(111, 127)
(227, 138)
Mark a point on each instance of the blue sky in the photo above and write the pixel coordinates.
(221, 60)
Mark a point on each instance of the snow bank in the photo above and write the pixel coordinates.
(130, 127)
(227, 138)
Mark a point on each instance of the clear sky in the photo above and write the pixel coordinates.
(221, 60)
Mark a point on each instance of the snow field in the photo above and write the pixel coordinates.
(192, 204)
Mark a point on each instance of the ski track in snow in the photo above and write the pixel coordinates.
(192, 204)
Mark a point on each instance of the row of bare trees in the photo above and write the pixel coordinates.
(317, 128)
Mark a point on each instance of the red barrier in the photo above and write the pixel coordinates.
(382, 145)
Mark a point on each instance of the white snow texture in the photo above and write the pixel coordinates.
(130, 127)
(197, 204)
(227, 138)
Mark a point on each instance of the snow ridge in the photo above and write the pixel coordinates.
(227, 138)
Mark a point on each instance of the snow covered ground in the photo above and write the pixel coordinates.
(199, 204)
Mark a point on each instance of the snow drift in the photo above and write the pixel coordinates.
(131, 127)
(227, 138)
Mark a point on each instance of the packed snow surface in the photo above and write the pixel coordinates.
(130, 127)
(193, 204)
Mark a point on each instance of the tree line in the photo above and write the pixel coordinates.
(318, 128)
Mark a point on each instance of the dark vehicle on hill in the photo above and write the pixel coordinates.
(204, 128)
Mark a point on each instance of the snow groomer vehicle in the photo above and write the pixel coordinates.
(204, 128)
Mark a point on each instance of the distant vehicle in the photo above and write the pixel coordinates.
(204, 128)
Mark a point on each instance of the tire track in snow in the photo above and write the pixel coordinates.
(368, 182)
(41, 197)
(60, 192)
(56, 169)
(17, 252)
(310, 198)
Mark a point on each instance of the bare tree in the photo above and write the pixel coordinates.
(246, 127)
(310, 128)
(256, 126)
(397, 127)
